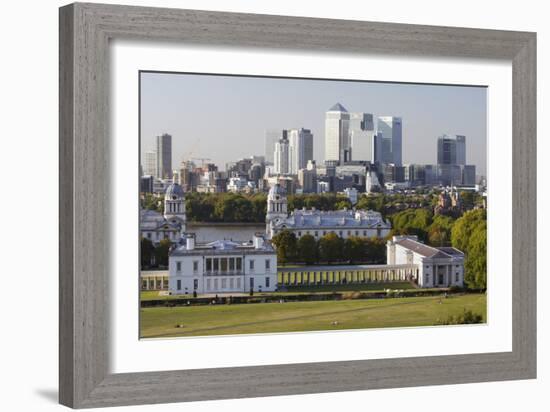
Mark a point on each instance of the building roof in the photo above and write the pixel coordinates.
(174, 189)
(221, 247)
(337, 108)
(309, 218)
(429, 251)
(276, 190)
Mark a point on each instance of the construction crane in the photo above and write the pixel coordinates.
(202, 160)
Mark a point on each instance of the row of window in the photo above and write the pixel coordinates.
(224, 283)
(441, 278)
(340, 233)
(229, 264)
(166, 235)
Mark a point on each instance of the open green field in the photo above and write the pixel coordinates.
(305, 316)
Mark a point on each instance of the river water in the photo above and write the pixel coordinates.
(238, 232)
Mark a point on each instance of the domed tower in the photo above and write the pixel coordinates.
(276, 206)
(174, 205)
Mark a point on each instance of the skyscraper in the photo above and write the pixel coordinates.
(281, 157)
(164, 156)
(271, 138)
(300, 149)
(150, 163)
(337, 133)
(451, 150)
(389, 140)
(362, 138)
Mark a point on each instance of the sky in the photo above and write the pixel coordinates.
(224, 118)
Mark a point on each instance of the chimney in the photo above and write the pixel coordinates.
(190, 242)
(258, 240)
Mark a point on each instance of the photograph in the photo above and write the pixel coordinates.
(279, 205)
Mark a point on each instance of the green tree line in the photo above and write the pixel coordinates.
(329, 249)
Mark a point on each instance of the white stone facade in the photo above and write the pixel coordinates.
(222, 267)
(156, 227)
(437, 267)
(345, 223)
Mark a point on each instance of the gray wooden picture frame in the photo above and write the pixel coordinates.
(85, 32)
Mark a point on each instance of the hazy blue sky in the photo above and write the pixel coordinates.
(224, 118)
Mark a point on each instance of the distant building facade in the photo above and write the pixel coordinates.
(222, 266)
(389, 140)
(344, 223)
(437, 266)
(164, 156)
(156, 227)
(336, 133)
(300, 149)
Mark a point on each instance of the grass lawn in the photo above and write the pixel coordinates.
(304, 316)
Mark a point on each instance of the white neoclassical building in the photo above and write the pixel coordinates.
(170, 225)
(222, 266)
(344, 223)
(436, 266)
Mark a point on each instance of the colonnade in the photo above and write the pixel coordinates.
(326, 275)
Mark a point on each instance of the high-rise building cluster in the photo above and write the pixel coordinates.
(363, 153)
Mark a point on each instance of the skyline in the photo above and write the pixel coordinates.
(232, 113)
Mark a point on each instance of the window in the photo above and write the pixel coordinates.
(267, 281)
(231, 264)
(340, 233)
(299, 234)
(224, 283)
(251, 264)
(148, 235)
(215, 284)
(195, 284)
(179, 285)
(195, 266)
(223, 264)
(427, 278)
(178, 266)
(267, 264)
(231, 283)
(251, 283)
(239, 263)
(316, 233)
(456, 277)
(208, 284)
(356, 233)
(209, 265)
(216, 265)
(364, 233)
(238, 283)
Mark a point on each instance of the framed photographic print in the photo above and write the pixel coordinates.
(258, 205)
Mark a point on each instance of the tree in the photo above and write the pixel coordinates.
(285, 243)
(439, 232)
(307, 249)
(161, 252)
(331, 247)
(375, 250)
(150, 201)
(412, 222)
(476, 260)
(354, 249)
(469, 234)
(464, 227)
(147, 252)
